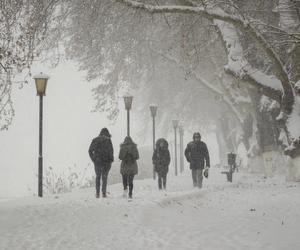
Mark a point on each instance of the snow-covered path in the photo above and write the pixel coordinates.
(251, 213)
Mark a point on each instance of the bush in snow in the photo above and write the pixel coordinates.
(55, 183)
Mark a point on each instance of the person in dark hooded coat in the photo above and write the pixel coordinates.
(161, 161)
(197, 155)
(128, 155)
(102, 154)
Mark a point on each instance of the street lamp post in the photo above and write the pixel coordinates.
(153, 109)
(175, 125)
(41, 84)
(128, 103)
(181, 132)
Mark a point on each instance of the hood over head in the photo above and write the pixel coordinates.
(128, 140)
(105, 132)
(197, 134)
(162, 141)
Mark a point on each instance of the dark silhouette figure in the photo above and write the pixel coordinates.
(102, 154)
(129, 168)
(197, 155)
(161, 161)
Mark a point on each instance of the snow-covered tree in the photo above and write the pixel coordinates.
(24, 33)
(273, 35)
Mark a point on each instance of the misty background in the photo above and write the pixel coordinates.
(69, 126)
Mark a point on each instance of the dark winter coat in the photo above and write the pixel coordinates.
(161, 157)
(128, 155)
(101, 149)
(197, 155)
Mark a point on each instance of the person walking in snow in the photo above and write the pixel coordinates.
(128, 155)
(197, 155)
(102, 154)
(161, 161)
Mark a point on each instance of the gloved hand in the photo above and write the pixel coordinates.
(206, 172)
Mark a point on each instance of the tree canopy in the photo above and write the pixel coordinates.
(241, 58)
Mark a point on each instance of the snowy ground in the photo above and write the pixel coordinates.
(250, 213)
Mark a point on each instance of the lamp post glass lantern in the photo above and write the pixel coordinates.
(153, 110)
(128, 104)
(175, 125)
(41, 84)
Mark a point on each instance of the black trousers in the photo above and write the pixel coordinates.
(162, 180)
(101, 171)
(197, 177)
(128, 182)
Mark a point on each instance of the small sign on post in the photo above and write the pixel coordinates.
(231, 159)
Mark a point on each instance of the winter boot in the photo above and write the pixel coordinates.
(104, 195)
(97, 195)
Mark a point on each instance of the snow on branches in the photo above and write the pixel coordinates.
(23, 32)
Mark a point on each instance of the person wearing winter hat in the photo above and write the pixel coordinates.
(102, 154)
(197, 155)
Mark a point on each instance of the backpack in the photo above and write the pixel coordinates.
(128, 157)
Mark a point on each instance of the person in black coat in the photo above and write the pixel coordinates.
(102, 154)
(129, 154)
(161, 161)
(197, 155)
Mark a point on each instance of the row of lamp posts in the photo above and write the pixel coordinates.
(41, 84)
(153, 111)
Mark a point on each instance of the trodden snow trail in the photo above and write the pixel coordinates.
(250, 213)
